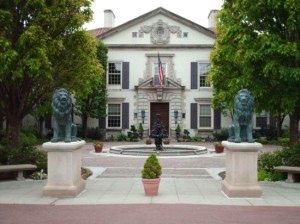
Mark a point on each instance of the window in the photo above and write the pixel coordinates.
(114, 115)
(114, 73)
(156, 71)
(261, 120)
(185, 34)
(203, 72)
(205, 116)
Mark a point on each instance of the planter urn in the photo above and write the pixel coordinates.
(151, 186)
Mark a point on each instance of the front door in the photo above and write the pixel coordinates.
(163, 110)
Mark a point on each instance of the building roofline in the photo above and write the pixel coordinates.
(152, 13)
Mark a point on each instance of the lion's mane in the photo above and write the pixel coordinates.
(61, 110)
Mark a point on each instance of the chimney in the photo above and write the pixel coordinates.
(212, 19)
(109, 18)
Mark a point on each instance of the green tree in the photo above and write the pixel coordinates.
(257, 48)
(94, 104)
(43, 46)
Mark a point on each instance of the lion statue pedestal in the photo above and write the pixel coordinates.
(241, 170)
(64, 169)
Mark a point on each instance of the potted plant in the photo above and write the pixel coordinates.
(148, 141)
(98, 147)
(141, 131)
(151, 175)
(219, 148)
(178, 130)
(166, 141)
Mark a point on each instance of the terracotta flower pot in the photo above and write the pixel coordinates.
(166, 141)
(98, 148)
(151, 186)
(219, 149)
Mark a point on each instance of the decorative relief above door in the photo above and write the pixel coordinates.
(160, 32)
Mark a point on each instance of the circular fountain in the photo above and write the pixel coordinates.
(158, 132)
(168, 150)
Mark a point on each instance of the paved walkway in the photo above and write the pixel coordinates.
(190, 192)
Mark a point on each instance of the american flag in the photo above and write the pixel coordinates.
(160, 72)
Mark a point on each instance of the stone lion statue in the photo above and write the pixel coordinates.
(241, 130)
(63, 128)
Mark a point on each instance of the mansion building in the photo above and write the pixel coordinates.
(135, 94)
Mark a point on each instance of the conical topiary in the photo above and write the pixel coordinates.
(152, 168)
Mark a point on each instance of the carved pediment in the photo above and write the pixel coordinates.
(160, 32)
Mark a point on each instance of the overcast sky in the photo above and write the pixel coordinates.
(125, 10)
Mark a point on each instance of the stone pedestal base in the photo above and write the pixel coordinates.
(241, 170)
(64, 169)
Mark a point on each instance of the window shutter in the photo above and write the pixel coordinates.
(194, 75)
(194, 120)
(125, 75)
(102, 123)
(125, 115)
(217, 119)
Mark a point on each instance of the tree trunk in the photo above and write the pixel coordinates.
(294, 126)
(84, 118)
(1, 121)
(41, 124)
(14, 127)
(278, 126)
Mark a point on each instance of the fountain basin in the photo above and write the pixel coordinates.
(169, 150)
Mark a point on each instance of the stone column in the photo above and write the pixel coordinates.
(64, 169)
(241, 170)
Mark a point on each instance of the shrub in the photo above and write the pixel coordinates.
(178, 129)
(186, 137)
(152, 168)
(86, 173)
(24, 155)
(141, 129)
(268, 160)
(284, 140)
(39, 175)
(264, 175)
(121, 137)
(132, 134)
(262, 140)
(95, 133)
(221, 135)
(291, 156)
(27, 139)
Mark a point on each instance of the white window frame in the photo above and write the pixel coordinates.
(112, 86)
(120, 104)
(211, 115)
(207, 85)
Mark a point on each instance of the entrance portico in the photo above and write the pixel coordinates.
(160, 99)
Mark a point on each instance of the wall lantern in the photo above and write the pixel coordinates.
(143, 115)
(176, 115)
